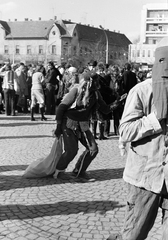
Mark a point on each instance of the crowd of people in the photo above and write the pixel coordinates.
(40, 89)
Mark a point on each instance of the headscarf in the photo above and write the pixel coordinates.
(160, 79)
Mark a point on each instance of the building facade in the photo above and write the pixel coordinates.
(60, 41)
(154, 26)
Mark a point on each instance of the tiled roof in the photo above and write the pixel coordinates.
(27, 29)
(96, 34)
(41, 29)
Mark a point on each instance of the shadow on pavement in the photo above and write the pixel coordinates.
(8, 182)
(6, 168)
(24, 124)
(20, 211)
(30, 136)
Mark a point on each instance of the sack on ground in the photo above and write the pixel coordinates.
(45, 166)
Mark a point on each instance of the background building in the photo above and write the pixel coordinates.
(60, 41)
(154, 26)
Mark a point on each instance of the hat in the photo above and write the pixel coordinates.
(72, 70)
(93, 63)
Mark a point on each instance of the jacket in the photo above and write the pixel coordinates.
(147, 155)
(10, 80)
(79, 113)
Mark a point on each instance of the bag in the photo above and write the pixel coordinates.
(21, 101)
(45, 166)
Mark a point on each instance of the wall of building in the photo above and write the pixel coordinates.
(54, 41)
(142, 53)
(34, 56)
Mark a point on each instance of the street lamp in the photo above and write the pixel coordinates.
(13, 55)
(106, 42)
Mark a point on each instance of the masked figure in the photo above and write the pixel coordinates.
(73, 117)
(143, 127)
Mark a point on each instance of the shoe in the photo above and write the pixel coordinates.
(43, 119)
(114, 237)
(103, 138)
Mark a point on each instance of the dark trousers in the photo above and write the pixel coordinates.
(71, 139)
(9, 97)
(141, 211)
(50, 99)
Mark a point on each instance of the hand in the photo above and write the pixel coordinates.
(58, 131)
(114, 105)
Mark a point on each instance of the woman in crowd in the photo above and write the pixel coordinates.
(37, 94)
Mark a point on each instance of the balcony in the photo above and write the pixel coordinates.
(157, 33)
(157, 20)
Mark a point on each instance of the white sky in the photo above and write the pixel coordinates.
(118, 15)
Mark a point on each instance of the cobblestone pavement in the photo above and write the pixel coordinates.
(69, 209)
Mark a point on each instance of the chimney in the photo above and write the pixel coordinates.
(69, 20)
(39, 18)
(55, 18)
(26, 19)
(8, 20)
(15, 20)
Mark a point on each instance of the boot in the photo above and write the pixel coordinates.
(94, 127)
(42, 114)
(101, 131)
(32, 114)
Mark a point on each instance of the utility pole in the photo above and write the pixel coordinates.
(106, 43)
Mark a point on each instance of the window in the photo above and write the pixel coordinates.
(143, 53)
(6, 49)
(40, 49)
(17, 49)
(148, 53)
(138, 53)
(53, 49)
(28, 49)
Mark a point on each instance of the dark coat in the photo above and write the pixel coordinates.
(129, 80)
